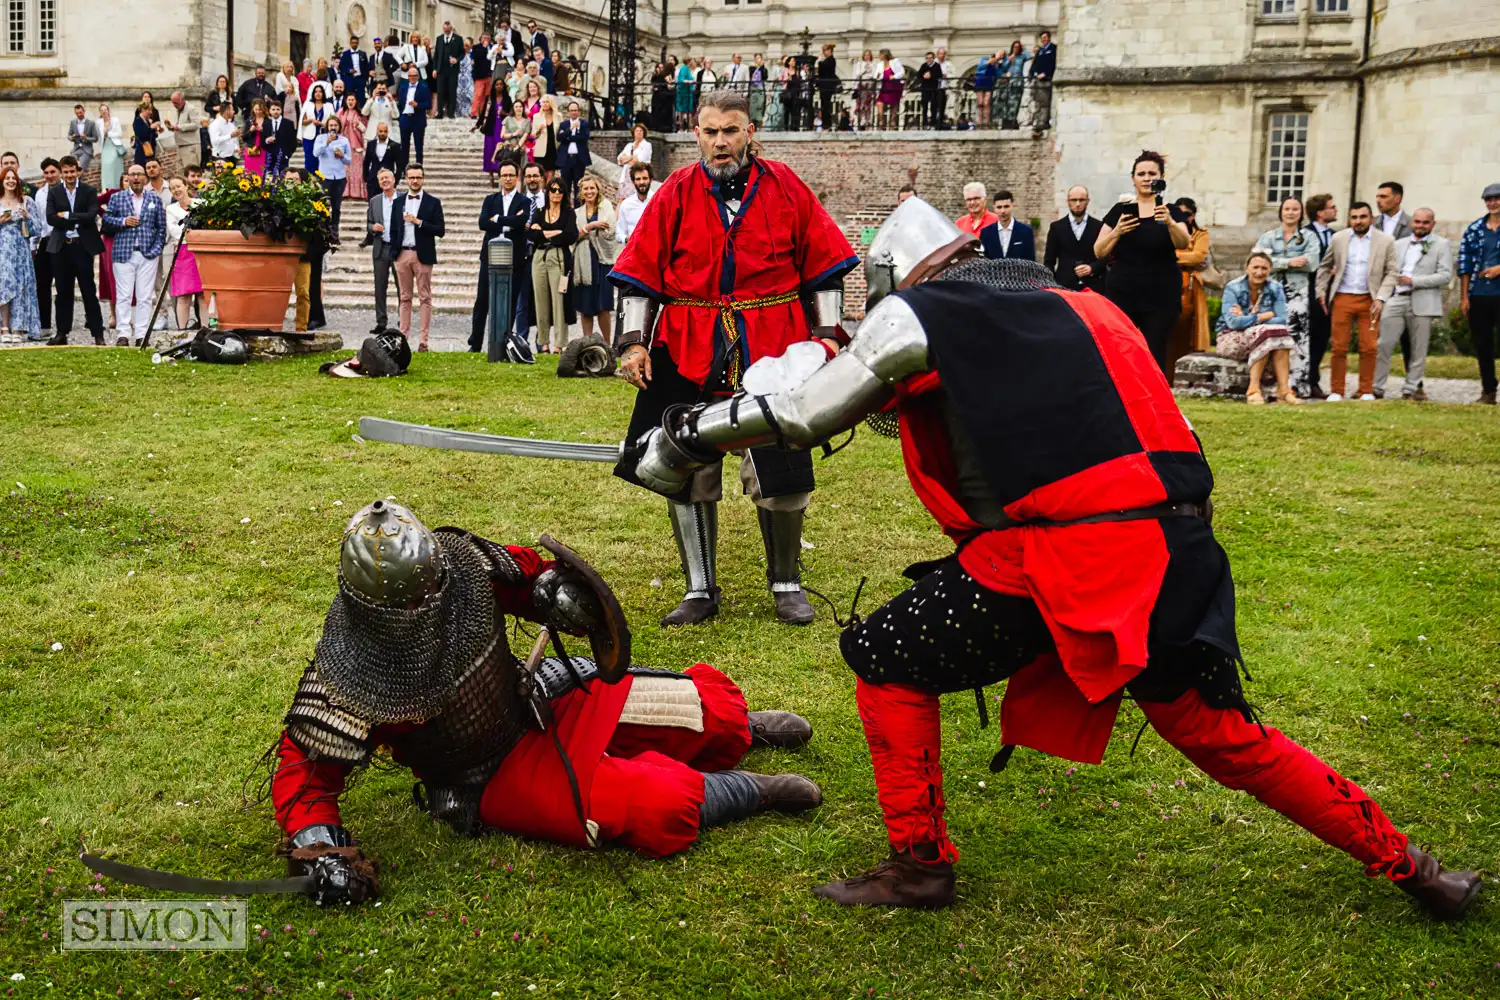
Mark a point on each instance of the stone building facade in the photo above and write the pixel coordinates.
(1253, 99)
(56, 54)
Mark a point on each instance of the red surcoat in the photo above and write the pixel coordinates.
(1094, 584)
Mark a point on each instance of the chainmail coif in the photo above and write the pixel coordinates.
(391, 664)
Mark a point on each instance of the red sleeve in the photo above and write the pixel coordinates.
(305, 792)
(643, 264)
(823, 252)
(515, 599)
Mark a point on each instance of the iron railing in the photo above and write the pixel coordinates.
(800, 106)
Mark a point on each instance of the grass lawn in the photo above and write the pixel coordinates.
(177, 533)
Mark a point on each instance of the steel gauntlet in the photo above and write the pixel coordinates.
(568, 602)
(341, 873)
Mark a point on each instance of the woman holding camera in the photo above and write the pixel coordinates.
(1140, 238)
(1252, 327)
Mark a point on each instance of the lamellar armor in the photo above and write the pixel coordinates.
(413, 641)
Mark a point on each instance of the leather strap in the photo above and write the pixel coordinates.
(1137, 514)
(941, 259)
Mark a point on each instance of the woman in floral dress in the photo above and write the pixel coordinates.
(1295, 252)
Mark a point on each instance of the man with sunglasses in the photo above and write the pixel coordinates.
(742, 262)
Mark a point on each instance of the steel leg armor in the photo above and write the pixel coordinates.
(781, 530)
(696, 528)
(782, 533)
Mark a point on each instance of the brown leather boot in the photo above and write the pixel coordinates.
(786, 793)
(793, 607)
(784, 730)
(899, 880)
(692, 611)
(1445, 894)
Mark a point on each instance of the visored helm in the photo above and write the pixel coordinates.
(909, 235)
(389, 557)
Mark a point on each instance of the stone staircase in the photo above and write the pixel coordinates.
(451, 161)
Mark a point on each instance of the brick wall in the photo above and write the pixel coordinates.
(856, 173)
(856, 176)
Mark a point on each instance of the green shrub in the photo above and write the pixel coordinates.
(1215, 308)
(1451, 335)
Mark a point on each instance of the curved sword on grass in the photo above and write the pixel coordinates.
(150, 878)
(425, 436)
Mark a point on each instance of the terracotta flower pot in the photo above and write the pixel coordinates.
(251, 279)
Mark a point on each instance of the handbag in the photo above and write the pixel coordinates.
(148, 149)
(562, 285)
(1211, 276)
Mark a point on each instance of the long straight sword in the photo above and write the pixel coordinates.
(425, 436)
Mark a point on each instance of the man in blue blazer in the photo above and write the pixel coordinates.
(572, 150)
(354, 69)
(414, 98)
(416, 225)
(1007, 238)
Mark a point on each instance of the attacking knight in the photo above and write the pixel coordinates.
(1040, 434)
(734, 259)
(578, 750)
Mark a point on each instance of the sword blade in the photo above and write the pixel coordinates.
(424, 436)
(150, 878)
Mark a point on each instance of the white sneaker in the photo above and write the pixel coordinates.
(1368, 397)
(1334, 397)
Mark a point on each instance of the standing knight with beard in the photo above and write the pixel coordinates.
(733, 260)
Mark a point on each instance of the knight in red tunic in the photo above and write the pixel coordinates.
(1038, 431)
(734, 260)
(584, 751)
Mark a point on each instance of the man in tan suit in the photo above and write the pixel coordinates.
(1349, 279)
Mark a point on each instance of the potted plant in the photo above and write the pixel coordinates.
(248, 233)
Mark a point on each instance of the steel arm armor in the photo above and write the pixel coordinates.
(637, 320)
(828, 314)
(889, 346)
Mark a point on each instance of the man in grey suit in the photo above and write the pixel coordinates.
(1395, 223)
(1392, 221)
(83, 133)
(378, 237)
(1413, 297)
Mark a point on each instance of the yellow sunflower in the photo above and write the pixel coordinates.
(320, 205)
(244, 185)
(256, 179)
(238, 171)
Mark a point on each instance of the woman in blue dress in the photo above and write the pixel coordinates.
(19, 221)
(686, 78)
(593, 256)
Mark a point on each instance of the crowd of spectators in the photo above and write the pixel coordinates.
(1307, 289)
(876, 91)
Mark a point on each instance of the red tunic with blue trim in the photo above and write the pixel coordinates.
(689, 246)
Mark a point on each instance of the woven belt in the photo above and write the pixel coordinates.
(728, 309)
